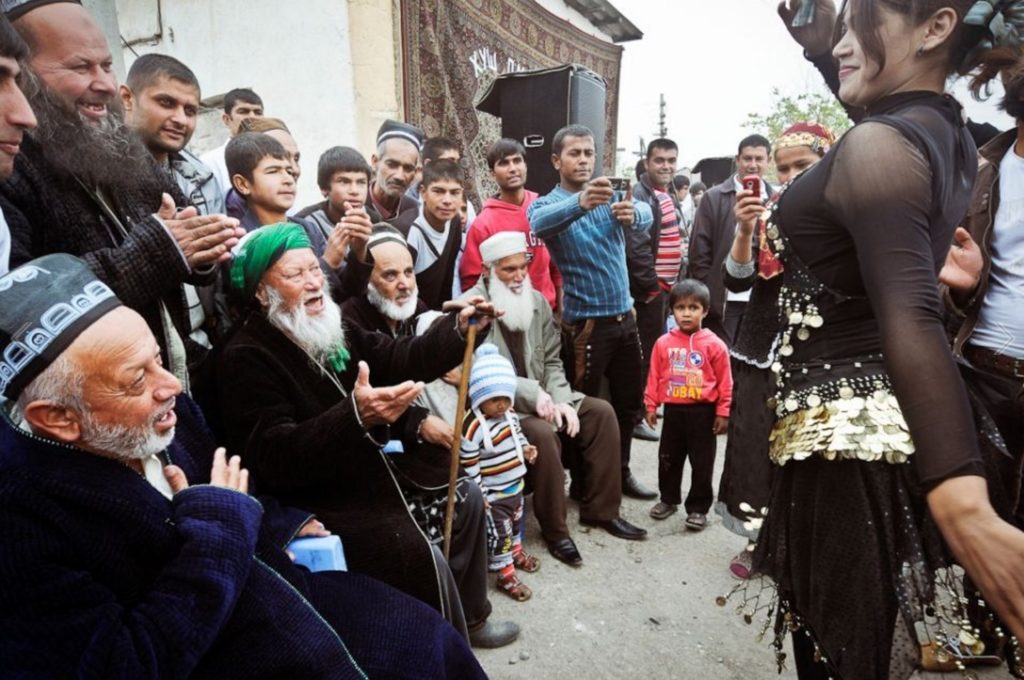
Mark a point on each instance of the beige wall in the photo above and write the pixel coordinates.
(328, 68)
(376, 65)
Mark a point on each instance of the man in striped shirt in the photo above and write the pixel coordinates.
(654, 256)
(584, 222)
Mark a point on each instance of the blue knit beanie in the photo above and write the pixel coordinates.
(492, 376)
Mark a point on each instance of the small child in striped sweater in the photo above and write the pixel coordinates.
(493, 453)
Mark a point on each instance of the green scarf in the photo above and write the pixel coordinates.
(260, 250)
(258, 253)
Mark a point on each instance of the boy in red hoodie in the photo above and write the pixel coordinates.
(690, 374)
(507, 212)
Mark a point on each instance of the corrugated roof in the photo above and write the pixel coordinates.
(603, 15)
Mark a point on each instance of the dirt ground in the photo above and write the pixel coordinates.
(636, 609)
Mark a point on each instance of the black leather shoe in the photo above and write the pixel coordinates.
(634, 489)
(619, 528)
(565, 551)
(492, 635)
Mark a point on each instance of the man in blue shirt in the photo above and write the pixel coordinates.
(583, 230)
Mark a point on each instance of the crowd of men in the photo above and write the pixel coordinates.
(161, 304)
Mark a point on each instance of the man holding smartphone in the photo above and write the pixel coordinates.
(714, 227)
(583, 221)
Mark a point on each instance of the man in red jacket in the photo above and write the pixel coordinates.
(507, 212)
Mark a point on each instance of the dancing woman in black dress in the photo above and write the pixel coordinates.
(873, 435)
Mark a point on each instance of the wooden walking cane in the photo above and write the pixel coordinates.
(460, 414)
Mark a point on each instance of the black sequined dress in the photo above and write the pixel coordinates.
(744, 487)
(870, 410)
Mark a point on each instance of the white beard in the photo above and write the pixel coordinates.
(125, 442)
(396, 311)
(517, 305)
(320, 336)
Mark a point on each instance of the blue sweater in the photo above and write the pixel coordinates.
(590, 251)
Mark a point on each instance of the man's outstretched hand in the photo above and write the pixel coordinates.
(382, 405)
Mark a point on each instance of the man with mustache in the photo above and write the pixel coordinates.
(391, 301)
(394, 168)
(161, 103)
(553, 415)
(85, 185)
(15, 118)
(583, 221)
(133, 548)
(297, 404)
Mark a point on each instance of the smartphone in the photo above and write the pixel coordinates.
(805, 15)
(752, 183)
(624, 185)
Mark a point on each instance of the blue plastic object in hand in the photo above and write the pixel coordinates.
(319, 553)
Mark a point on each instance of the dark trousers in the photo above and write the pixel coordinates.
(687, 431)
(594, 452)
(650, 324)
(608, 347)
(467, 559)
(1003, 399)
(732, 321)
(468, 556)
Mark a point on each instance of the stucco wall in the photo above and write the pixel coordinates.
(300, 63)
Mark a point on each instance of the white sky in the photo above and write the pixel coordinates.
(716, 61)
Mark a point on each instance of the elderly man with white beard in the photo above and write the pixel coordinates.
(552, 414)
(297, 404)
(391, 301)
(131, 546)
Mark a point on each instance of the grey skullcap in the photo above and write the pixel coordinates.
(19, 8)
(44, 305)
(393, 129)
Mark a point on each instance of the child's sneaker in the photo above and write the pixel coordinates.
(742, 564)
(696, 521)
(663, 510)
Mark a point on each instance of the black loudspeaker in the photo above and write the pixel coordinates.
(534, 105)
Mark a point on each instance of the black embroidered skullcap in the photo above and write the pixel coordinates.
(393, 129)
(44, 305)
(19, 8)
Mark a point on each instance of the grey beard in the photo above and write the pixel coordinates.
(518, 307)
(124, 442)
(390, 308)
(108, 155)
(319, 336)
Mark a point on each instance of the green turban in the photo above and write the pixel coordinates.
(260, 250)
